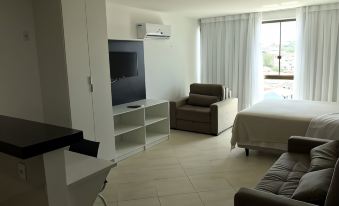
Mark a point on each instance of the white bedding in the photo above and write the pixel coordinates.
(324, 126)
(269, 124)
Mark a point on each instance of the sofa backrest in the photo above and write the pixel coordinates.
(332, 198)
(208, 89)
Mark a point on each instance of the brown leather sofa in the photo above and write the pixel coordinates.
(306, 175)
(206, 110)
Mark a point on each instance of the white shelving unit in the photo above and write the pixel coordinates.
(129, 143)
(136, 129)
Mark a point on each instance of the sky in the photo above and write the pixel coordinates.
(270, 32)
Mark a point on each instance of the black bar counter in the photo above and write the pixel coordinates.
(25, 139)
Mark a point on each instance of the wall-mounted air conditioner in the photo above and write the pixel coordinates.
(158, 31)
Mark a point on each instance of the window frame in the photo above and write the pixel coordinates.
(279, 76)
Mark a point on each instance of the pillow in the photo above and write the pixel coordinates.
(313, 186)
(324, 156)
(201, 100)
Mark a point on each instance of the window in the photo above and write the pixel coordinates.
(278, 50)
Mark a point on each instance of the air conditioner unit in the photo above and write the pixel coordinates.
(156, 31)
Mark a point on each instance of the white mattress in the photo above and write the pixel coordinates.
(269, 124)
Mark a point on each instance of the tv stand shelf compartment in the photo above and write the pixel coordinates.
(127, 122)
(136, 129)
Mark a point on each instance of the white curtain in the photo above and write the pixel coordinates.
(231, 55)
(317, 67)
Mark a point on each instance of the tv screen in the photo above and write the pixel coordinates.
(123, 64)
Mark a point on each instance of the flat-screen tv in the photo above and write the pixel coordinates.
(123, 65)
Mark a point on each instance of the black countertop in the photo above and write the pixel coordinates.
(25, 139)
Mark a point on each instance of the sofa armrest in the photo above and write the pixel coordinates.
(173, 108)
(299, 144)
(332, 194)
(223, 114)
(252, 197)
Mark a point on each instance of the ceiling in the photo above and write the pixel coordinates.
(209, 8)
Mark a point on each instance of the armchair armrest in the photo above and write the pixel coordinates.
(173, 108)
(304, 144)
(246, 197)
(223, 114)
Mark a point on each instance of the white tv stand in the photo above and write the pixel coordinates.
(136, 129)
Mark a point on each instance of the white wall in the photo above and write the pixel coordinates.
(19, 76)
(78, 70)
(170, 65)
(52, 62)
(279, 14)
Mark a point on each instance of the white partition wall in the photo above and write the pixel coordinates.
(100, 75)
(72, 47)
(78, 68)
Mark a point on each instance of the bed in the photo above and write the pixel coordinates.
(268, 125)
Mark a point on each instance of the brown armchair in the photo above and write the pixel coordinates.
(206, 110)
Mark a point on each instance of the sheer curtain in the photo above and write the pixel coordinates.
(231, 55)
(317, 67)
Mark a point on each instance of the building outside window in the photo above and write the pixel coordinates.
(278, 51)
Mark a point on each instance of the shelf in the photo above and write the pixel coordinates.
(123, 108)
(154, 136)
(125, 147)
(152, 120)
(124, 128)
(139, 128)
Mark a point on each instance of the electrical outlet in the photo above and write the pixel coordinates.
(22, 171)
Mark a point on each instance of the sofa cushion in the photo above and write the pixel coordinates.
(201, 100)
(283, 177)
(313, 186)
(193, 113)
(324, 156)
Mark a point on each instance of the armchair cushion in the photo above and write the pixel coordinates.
(201, 100)
(324, 156)
(193, 113)
(313, 186)
(209, 89)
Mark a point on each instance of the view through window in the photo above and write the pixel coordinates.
(278, 50)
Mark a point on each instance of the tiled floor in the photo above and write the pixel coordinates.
(189, 169)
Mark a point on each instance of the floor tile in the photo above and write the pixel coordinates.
(164, 173)
(181, 200)
(209, 182)
(174, 186)
(189, 169)
(217, 197)
(98, 202)
(247, 179)
(141, 202)
(132, 191)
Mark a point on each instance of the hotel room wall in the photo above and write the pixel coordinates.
(170, 65)
(279, 14)
(52, 62)
(19, 75)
